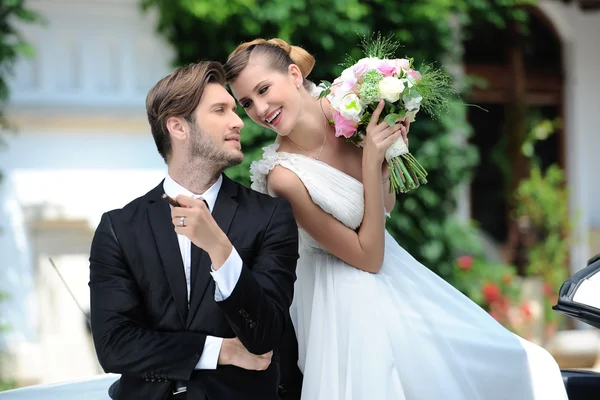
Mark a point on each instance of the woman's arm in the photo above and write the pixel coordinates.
(352, 247)
(389, 199)
(363, 249)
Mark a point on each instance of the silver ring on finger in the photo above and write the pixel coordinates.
(182, 221)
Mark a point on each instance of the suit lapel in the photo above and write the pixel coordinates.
(159, 215)
(223, 213)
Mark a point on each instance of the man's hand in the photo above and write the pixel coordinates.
(233, 352)
(201, 228)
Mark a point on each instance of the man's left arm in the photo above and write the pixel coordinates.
(257, 303)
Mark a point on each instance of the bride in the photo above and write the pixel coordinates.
(372, 322)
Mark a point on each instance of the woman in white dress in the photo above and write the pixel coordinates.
(372, 322)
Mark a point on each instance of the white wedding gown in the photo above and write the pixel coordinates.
(403, 333)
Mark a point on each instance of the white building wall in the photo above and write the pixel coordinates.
(83, 147)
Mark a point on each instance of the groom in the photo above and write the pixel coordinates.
(190, 293)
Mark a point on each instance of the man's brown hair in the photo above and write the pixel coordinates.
(178, 95)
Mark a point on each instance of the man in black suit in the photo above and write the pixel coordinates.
(189, 299)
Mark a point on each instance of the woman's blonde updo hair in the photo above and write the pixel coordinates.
(278, 53)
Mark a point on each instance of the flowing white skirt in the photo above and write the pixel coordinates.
(405, 333)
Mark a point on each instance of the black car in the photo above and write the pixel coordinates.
(579, 298)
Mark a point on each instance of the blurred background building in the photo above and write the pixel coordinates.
(83, 147)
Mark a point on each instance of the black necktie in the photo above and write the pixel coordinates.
(195, 259)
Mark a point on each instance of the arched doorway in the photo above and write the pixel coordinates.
(523, 80)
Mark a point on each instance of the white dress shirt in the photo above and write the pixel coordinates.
(225, 277)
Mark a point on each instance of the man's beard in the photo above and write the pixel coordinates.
(202, 147)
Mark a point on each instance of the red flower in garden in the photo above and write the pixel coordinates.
(526, 310)
(465, 262)
(491, 292)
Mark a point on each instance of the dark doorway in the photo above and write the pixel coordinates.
(517, 68)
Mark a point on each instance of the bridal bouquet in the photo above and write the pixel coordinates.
(355, 94)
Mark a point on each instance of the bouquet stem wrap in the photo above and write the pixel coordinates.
(406, 173)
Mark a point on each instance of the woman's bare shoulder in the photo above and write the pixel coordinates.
(284, 182)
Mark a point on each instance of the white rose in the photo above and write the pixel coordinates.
(350, 107)
(390, 89)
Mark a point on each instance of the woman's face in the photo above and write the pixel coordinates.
(271, 98)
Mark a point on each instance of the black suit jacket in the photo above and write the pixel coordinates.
(141, 324)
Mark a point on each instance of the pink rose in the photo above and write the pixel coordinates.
(361, 67)
(387, 68)
(416, 75)
(343, 127)
(365, 64)
(348, 79)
